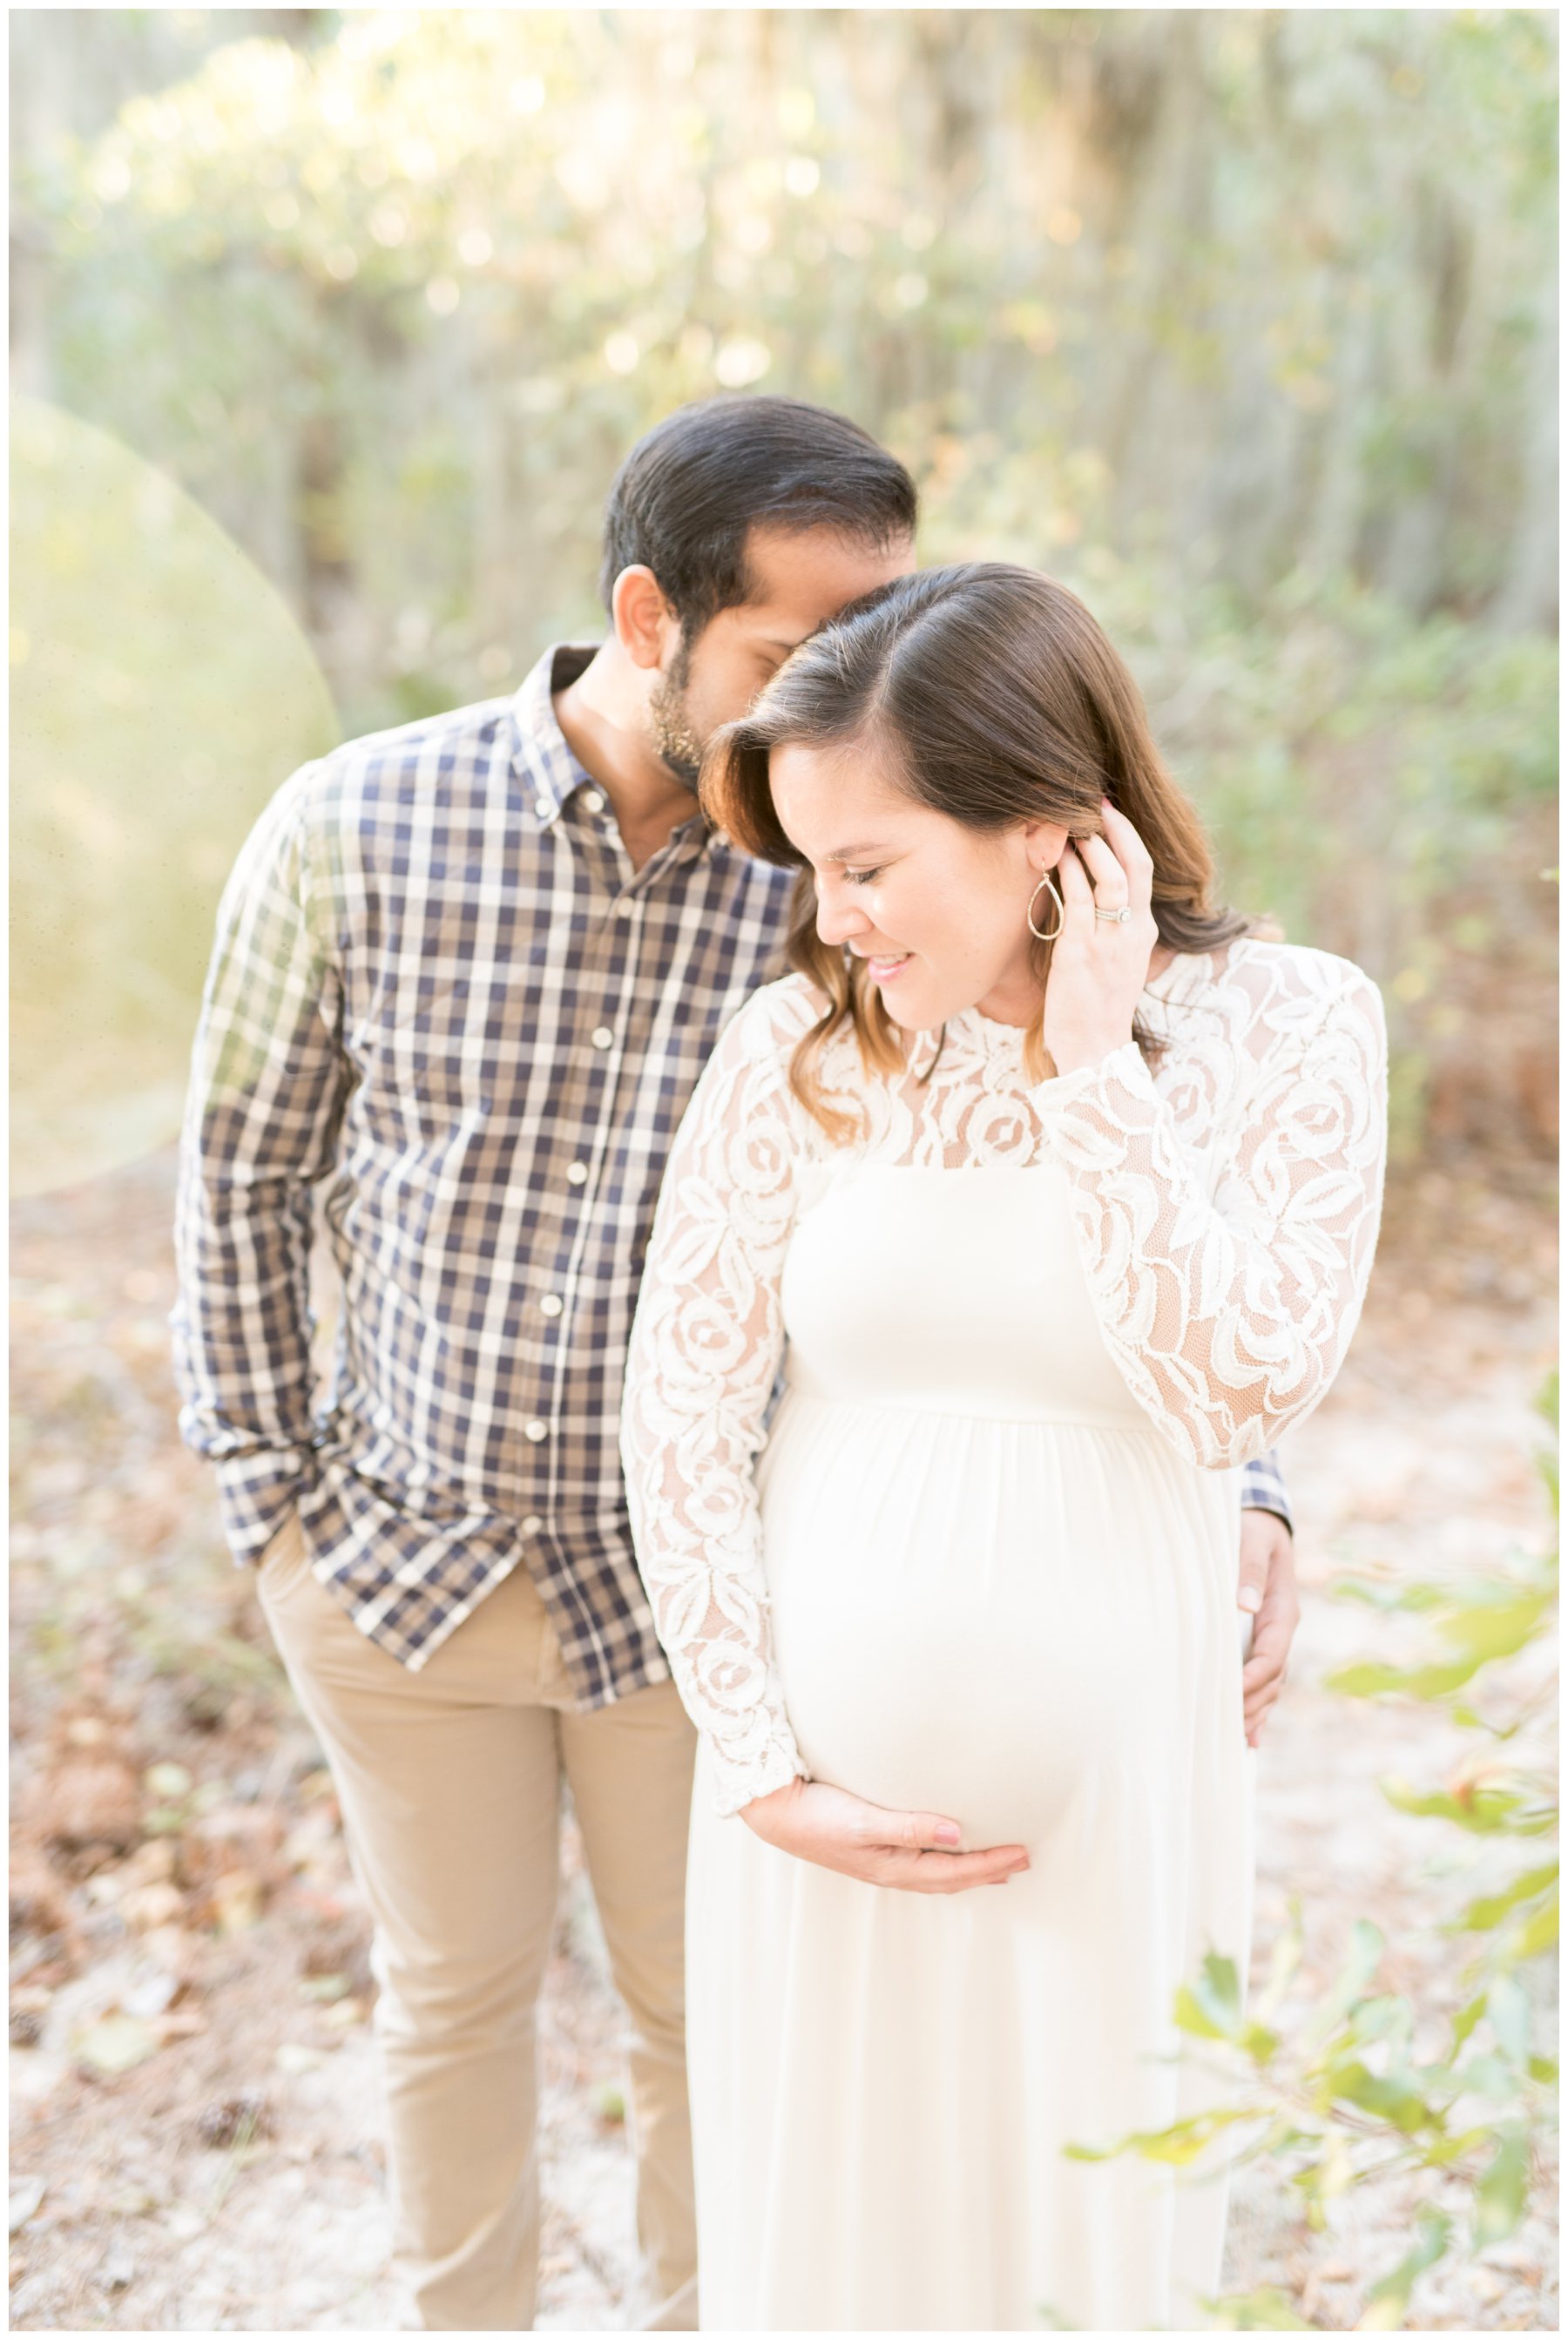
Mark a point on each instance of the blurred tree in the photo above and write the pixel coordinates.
(1241, 321)
(1261, 289)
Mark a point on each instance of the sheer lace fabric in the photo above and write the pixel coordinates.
(1224, 1204)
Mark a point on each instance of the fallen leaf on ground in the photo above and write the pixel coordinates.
(91, 1802)
(116, 2044)
(345, 2015)
(168, 1781)
(235, 2120)
(324, 1987)
(151, 1863)
(187, 2024)
(236, 1900)
(116, 2271)
(134, 2202)
(294, 2059)
(147, 1906)
(38, 1903)
(151, 1993)
(26, 2194)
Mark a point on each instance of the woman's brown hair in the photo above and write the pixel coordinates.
(991, 695)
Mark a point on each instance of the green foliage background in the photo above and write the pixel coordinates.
(1357, 2088)
(1243, 321)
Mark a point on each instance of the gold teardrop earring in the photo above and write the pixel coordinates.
(1061, 909)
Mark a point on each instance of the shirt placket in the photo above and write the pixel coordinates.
(603, 973)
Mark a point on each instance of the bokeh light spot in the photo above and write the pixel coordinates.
(165, 694)
(741, 361)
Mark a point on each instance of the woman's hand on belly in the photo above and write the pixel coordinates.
(919, 1852)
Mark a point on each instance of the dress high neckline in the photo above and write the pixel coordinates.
(1003, 1044)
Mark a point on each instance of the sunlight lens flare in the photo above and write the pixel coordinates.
(160, 693)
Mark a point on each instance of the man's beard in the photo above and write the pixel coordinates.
(673, 735)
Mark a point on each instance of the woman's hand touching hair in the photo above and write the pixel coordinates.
(1099, 966)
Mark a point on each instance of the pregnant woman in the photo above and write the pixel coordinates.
(1053, 1190)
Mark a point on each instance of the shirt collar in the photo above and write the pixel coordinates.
(541, 753)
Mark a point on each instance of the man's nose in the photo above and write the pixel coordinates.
(838, 919)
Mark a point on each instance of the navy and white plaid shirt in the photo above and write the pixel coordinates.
(442, 992)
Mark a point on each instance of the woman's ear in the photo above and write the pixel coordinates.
(645, 624)
(1044, 842)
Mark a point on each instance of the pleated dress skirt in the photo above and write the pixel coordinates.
(1001, 1595)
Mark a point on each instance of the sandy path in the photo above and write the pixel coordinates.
(234, 1939)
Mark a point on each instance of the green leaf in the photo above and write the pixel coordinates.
(1219, 1991)
(1283, 1962)
(1178, 2144)
(1385, 1597)
(1388, 2299)
(1324, 2179)
(1191, 2018)
(1466, 2021)
(1546, 1399)
(1444, 2152)
(1539, 1933)
(1494, 1631)
(1486, 2076)
(1386, 2017)
(1372, 1679)
(1366, 1947)
(1508, 2011)
(1385, 2095)
(1210, 2008)
(1503, 2190)
(1482, 1811)
(1484, 1913)
(1264, 2310)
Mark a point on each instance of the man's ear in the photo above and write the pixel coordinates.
(646, 626)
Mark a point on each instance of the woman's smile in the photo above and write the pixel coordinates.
(883, 965)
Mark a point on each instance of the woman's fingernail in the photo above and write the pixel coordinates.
(1249, 1598)
(949, 1834)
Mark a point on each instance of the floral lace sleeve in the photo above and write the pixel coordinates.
(1228, 1314)
(705, 1350)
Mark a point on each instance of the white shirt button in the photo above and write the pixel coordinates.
(603, 1037)
(551, 1304)
(536, 1430)
(623, 909)
(543, 808)
(593, 800)
(533, 1524)
(578, 1174)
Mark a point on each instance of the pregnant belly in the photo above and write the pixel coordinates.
(988, 1619)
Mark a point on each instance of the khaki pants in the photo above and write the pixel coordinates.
(449, 1783)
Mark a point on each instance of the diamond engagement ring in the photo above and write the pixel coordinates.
(1118, 917)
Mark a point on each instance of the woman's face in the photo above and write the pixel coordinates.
(937, 910)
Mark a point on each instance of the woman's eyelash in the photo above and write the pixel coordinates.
(862, 877)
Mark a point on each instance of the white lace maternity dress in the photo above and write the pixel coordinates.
(985, 1567)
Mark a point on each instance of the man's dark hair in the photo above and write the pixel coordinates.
(685, 497)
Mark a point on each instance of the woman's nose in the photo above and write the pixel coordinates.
(837, 920)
